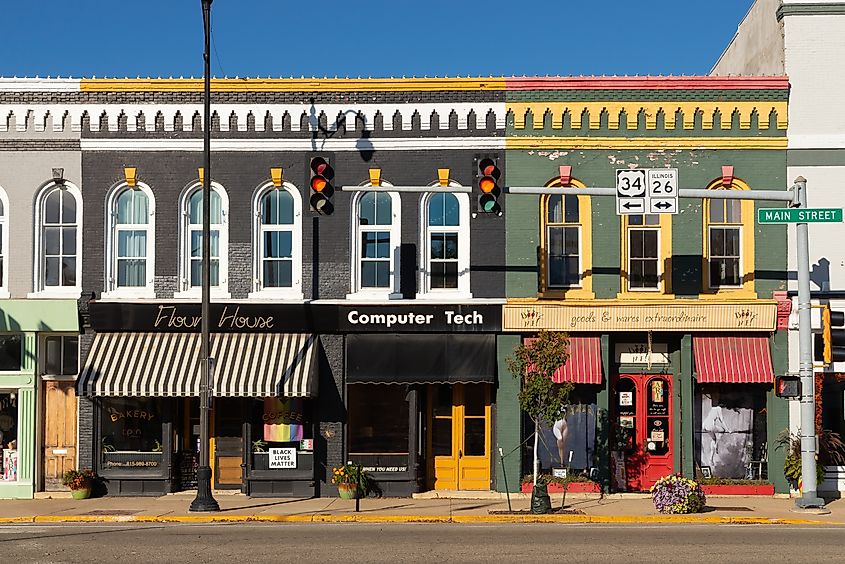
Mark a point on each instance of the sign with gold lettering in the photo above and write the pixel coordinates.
(678, 315)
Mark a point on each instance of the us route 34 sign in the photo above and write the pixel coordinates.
(651, 191)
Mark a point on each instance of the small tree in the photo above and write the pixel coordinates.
(535, 363)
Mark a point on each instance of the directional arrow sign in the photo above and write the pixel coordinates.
(630, 191)
(630, 206)
(662, 190)
(662, 205)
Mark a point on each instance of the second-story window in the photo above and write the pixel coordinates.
(375, 244)
(130, 258)
(724, 243)
(563, 241)
(4, 244)
(191, 266)
(445, 244)
(643, 249)
(58, 210)
(278, 241)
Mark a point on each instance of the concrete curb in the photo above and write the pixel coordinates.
(358, 518)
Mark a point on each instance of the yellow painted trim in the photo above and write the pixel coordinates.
(201, 175)
(129, 174)
(585, 215)
(276, 175)
(665, 262)
(290, 84)
(625, 113)
(748, 260)
(443, 176)
(658, 299)
(375, 177)
(771, 143)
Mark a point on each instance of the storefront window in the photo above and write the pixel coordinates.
(10, 352)
(279, 423)
(569, 441)
(378, 425)
(8, 436)
(131, 430)
(730, 430)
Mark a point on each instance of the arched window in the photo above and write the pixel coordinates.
(130, 245)
(191, 239)
(567, 243)
(445, 245)
(728, 242)
(277, 242)
(58, 238)
(4, 244)
(375, 244)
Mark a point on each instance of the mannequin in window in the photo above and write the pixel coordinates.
(561, 432)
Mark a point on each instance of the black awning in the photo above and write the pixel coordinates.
(420, 359)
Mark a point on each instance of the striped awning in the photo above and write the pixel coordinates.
(168, 364)
(584, 363)
(732, 360)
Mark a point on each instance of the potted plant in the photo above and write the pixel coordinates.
(831, 453)
(676, 494)
(351, 481)
(80, 482)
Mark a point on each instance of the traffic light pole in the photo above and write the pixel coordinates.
(809, 490)
(796, 197)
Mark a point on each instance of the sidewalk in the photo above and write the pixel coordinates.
(618, 508)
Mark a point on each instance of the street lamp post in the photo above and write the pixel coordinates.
(205, 500)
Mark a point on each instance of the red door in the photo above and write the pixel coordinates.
(644, 427)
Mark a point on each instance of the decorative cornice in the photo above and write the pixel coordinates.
(625, 113)
(811, 9)
(333, 144)
(648, 82)
(645, 143)
(291, 84)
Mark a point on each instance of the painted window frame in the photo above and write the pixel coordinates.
(664, 259)
(392, 292)
(294, 292)
(112, 290)
(43, 361)
(40, 289)
(746, 288)
(186, 291)
(4, 244)
(584, 290)
(463, 290)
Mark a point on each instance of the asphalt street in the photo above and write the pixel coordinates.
(359, 542)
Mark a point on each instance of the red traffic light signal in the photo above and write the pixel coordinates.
(322, 190)
(488, 175)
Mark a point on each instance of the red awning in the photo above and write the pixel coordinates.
(584, 364)
(732, 360)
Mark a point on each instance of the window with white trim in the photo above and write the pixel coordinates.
(643, 252)
(445, 244)
(191, 239)
(563, 241)
(375, 244)
(278, 241)
(724, 243)
(58, 269)
(130, 248)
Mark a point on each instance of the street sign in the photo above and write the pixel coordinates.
(662, 190)
(630, 191)
(646, 190)
(799, 215)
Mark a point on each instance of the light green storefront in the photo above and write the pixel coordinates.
(22, 322)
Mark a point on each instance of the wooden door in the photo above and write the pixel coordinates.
(459, 437)
(58, 453)
(228, 443)
(643, 405)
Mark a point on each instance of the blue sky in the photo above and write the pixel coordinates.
(366, 37)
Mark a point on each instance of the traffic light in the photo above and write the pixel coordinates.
(487, 177)
(322, 190)
(788, 386)
(830, 345)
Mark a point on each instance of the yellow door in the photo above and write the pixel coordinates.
(459, 436)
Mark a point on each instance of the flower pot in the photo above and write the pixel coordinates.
(82, 493)
(347, 491)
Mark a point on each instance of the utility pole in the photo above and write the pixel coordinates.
(809, 490)
(205, 500)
